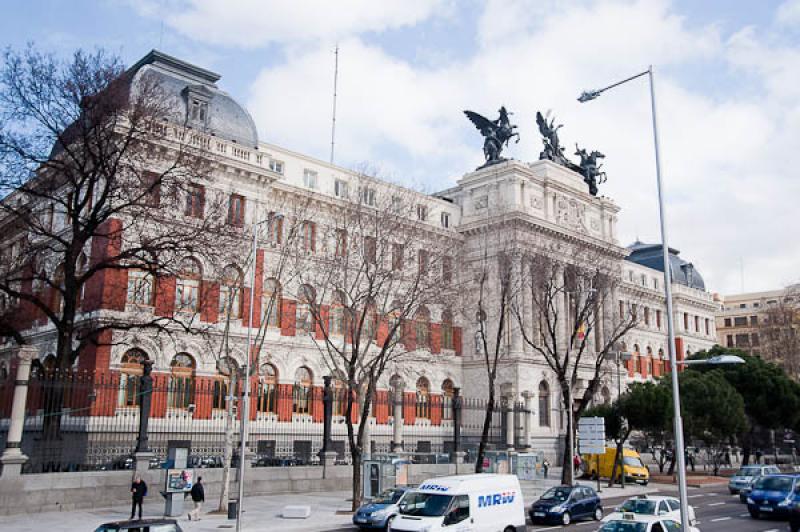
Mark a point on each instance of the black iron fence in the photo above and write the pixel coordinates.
(78, 421)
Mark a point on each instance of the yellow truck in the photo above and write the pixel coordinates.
(634, 468)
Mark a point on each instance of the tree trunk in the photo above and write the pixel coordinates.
(487, 423)
(567, 462)
(356, 455)
(227, 452)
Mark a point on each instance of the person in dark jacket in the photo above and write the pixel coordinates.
(198, 498)
(138, 492)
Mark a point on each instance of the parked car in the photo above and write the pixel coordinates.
(142, 525)
(747, 474)
(379, 512)
(563, 504)
(644, 523)
(649, 505)
(772, 495)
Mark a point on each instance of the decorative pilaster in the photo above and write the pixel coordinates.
(397, 432)
(528, 412)
(12, 458)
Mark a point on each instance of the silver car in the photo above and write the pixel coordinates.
(745, 476)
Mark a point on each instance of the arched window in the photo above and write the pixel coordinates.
(544, 404)
(649, 362)
(304, 316)
(637, 359)
(131, 368)
(422, 328)
(423, 398)
(339, 398)
(447, 330)
(268, 389)
(606, 395)
(221, 385)
(187, 286)
(230, 291)
(140, 288)
(369, 331)
(336, 325)
(301, 392)
(180, 393)
(448, 392)
(271, 302)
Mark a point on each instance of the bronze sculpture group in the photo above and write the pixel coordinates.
(498, 133)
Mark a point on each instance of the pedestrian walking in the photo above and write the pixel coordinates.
(138, 493)
(545, 467)
(198, 498)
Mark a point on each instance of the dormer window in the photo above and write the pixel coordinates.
(198, 111)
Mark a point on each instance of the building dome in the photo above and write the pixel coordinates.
(650, 255)
(196, 99)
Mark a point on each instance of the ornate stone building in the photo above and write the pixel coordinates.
(549, 205)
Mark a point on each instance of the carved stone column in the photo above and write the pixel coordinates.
(508, 403)
(397, 428)
(529, 398)
(12, 458)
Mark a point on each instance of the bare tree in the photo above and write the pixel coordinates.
(97, 181)
(380, 270)
(573, 324)
(777, 331)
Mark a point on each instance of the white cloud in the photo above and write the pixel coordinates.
(253, 23)
(789, 13)
(727, 153)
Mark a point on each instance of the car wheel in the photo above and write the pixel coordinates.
(598, 514)
(733, 492)
(510, 529)
(566, 519)
(755, 514)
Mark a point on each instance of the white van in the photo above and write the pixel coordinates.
(464, 503)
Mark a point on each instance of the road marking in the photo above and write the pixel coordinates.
(716, 503)
(720, 519)
(711, 494)
(548, 528)
(585, 523)
(697, 495)
(744, 515)
(772, 530)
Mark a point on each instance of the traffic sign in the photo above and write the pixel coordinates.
(591, 435)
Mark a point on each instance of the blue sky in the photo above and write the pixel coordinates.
(727, 74)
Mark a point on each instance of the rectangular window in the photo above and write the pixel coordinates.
(445, 220)
(635, 311)
(309, 178)
(644, 279)
(370, 249)
(658, 319)
(340, 188)
(276, 166)
(423, 259)
(754, 340)
(708, 326)
(753, 321)
(198, 111)
(697, 324)
(309, 236)
(341, 243)
(195, 201)
(275, 228)
(727, 322)
(397, 257)
(729, 340)
(368, 196)
(742, 305)
(447, 270)
(229, 300)
(622, 310)
(151, 185)
(646, 316)
(422, 212)
(740, 321)
(655, 283)
(236, 210)
(140, 288)
(685, 321)
(742, 340)
(186, 295)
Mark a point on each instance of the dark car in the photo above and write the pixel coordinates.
(564, 504)
(772, 495)
(142, 525)
(794, 516)
(380, 511)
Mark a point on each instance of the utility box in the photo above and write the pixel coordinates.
(179, 478)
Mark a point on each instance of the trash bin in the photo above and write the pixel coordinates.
(233, 508)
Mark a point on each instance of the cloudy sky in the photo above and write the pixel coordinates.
(727, 77)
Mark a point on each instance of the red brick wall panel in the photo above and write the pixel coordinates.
(436, 409)
(436, 338)
(457, 340)
(288, 317)
(165, 296)
(409, 408)
(209, 301)
(284, 402)
(382, 407)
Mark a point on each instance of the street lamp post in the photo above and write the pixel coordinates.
(245, 410)
(679, 446)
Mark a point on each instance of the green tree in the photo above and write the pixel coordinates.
(713, 411)
(771, 397)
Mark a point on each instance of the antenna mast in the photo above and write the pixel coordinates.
(335, 81)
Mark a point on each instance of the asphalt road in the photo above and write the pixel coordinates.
(716, 511)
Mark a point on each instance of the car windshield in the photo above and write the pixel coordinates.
(556, 494)
(624, 526)
(774, 484)
(425, 504)
(639, 506)
(633, 461)
(748, 472)
(388, 497)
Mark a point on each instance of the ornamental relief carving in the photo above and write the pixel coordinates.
(570, 213)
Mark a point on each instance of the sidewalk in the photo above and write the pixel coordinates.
(329, 511)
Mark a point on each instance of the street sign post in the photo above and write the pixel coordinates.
(592, 439)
